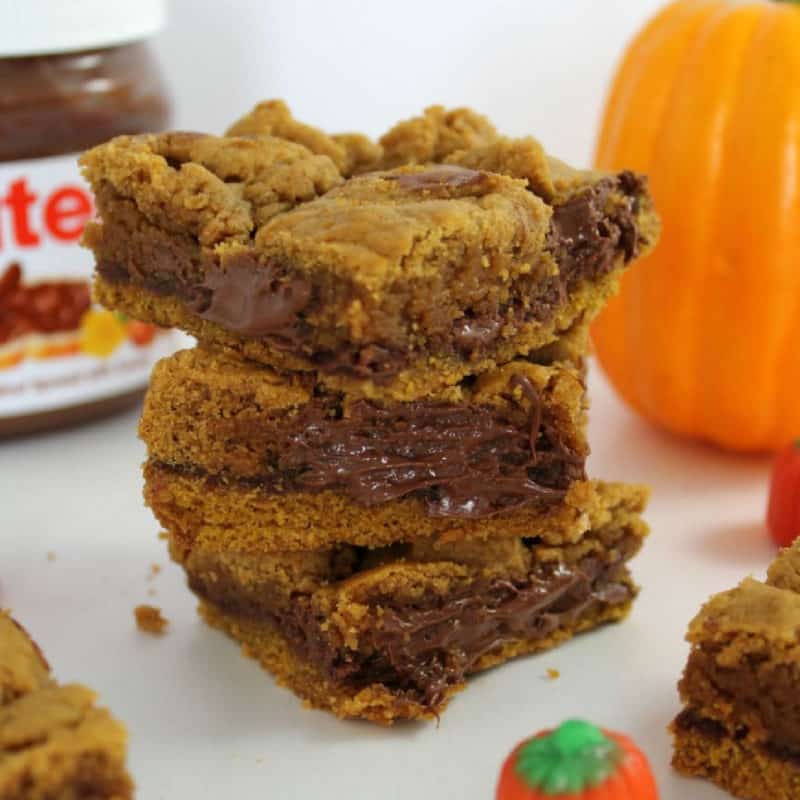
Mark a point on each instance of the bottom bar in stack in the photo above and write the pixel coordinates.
(391, 633)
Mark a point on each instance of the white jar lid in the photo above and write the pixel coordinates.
(43, 27)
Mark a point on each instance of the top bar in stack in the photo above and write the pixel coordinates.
(394, 283)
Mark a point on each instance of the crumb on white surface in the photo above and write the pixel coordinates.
(149, 619)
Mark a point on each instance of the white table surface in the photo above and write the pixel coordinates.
(207, 723)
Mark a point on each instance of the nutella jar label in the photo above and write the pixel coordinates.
(58, 349)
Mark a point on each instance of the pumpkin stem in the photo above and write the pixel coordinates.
(570, 759)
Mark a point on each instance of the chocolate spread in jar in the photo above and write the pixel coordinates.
(61, 359)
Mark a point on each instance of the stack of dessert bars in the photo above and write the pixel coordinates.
(372, 465)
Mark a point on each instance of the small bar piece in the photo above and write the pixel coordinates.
(740, 727)
(55, 743)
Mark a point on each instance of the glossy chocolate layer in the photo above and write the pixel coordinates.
(424, 649)
(461, 460)
(468, 461)
(272, 301)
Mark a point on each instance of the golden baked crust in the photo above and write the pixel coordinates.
(218, 191)
(362, 154)
(740, 726)
(55, 744)
(350, 152)
(434, 135)
(784, 572)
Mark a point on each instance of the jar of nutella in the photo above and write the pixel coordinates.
(72, 75)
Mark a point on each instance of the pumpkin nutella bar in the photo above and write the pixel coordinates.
(399, 282)
(740, 726)
(224, 436)
(54, 741)
(388, 633)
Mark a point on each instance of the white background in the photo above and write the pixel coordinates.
(537, 67)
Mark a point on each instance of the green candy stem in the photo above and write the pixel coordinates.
(574, 757)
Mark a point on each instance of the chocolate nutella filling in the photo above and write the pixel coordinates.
(469, 461)
(252, 300)
(584, 239)
(422, 650)
(270, 302)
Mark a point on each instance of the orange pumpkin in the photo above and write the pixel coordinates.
(704, 337)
